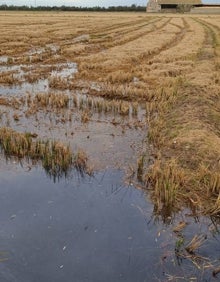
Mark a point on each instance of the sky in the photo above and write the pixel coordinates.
(83, 3)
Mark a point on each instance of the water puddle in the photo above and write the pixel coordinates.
(21, 72)
(51, 48)
(112, 132)
(81, 38)
(94, 229)
(66, 70)
(4, 59)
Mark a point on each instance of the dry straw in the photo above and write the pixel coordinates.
(56, 158)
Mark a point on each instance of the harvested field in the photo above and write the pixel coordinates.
(131, 91)
(154, 76)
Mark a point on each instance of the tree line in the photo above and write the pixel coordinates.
(132, 8)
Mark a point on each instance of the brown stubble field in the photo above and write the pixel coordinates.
(145, 96)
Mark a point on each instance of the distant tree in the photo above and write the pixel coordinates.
(133, 8)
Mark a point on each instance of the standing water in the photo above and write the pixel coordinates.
(94, 229)
(86, 228)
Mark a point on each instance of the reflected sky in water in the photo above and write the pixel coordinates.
(86, 229)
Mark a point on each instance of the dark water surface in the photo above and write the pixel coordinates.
(89, 229)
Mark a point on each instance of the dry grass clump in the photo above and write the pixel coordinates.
(196, 242)
(156, 111)
(124, 108)
(123, 91)
(179, 227)
(100, 105)
(85, 116)
(8, 78)
(56, 158)
(31, 78)
(16, 117)
(11, 102)
(167, 181)
(80, 162)
(58, 82)
(86, 104)
(4, 101)
(52, 100)
(189, 251)
(140, 167)
(120, 77)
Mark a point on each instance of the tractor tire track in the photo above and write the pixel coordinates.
(175, 40)
(93, 48)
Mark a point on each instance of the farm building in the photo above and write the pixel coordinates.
(171, 5)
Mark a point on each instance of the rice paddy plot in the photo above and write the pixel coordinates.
(129, 91)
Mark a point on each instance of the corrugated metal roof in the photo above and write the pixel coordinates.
(177, 2)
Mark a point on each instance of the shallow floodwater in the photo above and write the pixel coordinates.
(89, 123)
(90, 229)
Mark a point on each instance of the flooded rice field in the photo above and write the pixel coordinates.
(94, 124)
(104, 169)
(95, 228)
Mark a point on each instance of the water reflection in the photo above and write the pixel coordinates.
(94, 229)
